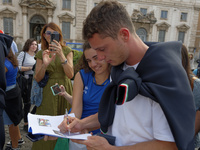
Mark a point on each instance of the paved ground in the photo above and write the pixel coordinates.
(28, 143)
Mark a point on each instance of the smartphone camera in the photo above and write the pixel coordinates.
(54, 36)
(55, 89)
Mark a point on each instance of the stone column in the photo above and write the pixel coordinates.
(50, 16)
(24, 22)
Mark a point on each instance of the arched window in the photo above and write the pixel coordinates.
(36, 24)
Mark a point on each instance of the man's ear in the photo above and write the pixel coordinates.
(124, 34)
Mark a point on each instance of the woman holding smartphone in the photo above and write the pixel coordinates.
(57, 60)
(89, 85)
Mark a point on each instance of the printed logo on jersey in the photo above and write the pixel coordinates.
(85, 89)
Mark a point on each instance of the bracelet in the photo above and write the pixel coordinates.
(64, 62)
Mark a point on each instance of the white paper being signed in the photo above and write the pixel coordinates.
(48, 125)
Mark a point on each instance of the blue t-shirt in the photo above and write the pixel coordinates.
(11, 74)
(91, 94)
(195, 72)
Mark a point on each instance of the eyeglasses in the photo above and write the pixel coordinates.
(48, 32)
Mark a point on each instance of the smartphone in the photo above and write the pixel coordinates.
(54, 36)
(34, 137)
(55, 89)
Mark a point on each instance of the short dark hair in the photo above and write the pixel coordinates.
(106, 19)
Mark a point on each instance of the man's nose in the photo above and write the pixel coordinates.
(100, 55)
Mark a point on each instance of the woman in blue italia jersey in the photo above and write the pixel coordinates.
(89, 84)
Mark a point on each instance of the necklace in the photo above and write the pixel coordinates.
(104, 83)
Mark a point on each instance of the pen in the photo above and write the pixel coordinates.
(66, 116)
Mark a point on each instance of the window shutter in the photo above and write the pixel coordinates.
(161, 37)
(66, 30)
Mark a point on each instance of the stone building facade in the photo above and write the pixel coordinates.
(197, 40)
(154, 20)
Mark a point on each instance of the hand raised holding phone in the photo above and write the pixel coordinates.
(54, 37)
(63, 93)
(55, 89)
(55, 46)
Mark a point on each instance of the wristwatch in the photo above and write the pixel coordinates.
(64, 62)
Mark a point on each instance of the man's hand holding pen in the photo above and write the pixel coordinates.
(66, 119)
(73, 126)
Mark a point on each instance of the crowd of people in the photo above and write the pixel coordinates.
(144, 94)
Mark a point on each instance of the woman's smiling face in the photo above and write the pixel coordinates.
(98, 66)
(33, 46)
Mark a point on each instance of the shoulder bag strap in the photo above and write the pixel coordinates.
(22, 63)
(23, 58)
